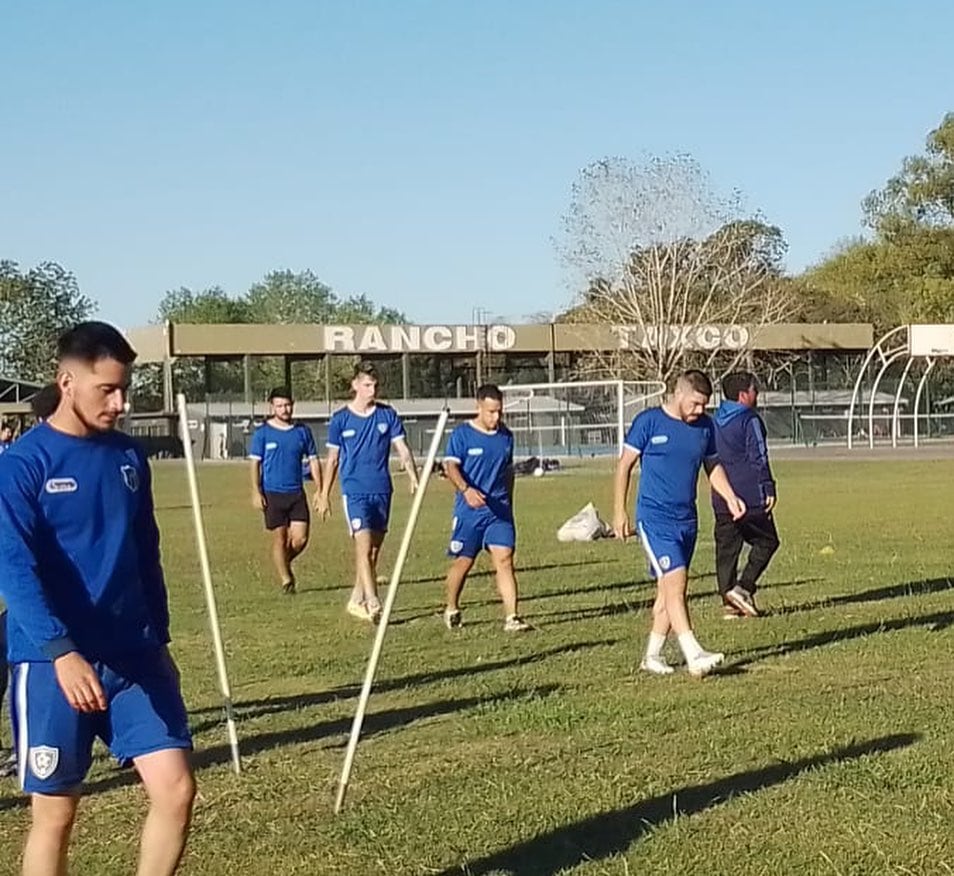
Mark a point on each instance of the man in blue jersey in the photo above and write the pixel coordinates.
(360, 438)
(88, 618)
(740, 439)
(671, 443)
(6, 437)
(278, 447)
(479, 463)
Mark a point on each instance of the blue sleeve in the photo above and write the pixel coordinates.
(150, 563)
(637, 438)
(756, 451)
(397, 427)
(311, 451)
(20, 585)
(334, 432)
(257, 450)
(455, 447)
(712, 450)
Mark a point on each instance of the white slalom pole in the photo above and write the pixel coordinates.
(388, 605)
(207, 582)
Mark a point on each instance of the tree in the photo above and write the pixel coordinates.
(35, 308)
(209, 306)
(652, 250)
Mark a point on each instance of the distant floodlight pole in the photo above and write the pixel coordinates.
(388, 605)
(207, 582)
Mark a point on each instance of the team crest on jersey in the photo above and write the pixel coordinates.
(61, 485)
(456, 546)
(43, 761)
(664, 563)
(475, 451)
(355, 524)
(382, 427)
(348, 433)
(659, 439)
(130, 477)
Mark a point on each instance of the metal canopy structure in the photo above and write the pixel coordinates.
(911, 343)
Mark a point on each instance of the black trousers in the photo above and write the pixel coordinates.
(756, 530)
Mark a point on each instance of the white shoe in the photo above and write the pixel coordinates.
(358, 610)
(656, 665)
(703, 663)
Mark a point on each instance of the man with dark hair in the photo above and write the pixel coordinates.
(740, 440)
(45, 402)
(88, 616)
(278, 447)
(479, 463)
(6, 437)
(360, 438)
(671, 443)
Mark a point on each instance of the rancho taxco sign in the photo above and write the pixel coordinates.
(501, 338)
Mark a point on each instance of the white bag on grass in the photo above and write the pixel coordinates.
(585, 525)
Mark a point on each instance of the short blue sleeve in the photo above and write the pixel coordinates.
(711, 450)
(397, 427)
(311, 451)
(257, 450)
(637, 438)
(455, 447)
(334, 432)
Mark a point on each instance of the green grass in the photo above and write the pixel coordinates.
(824, 747)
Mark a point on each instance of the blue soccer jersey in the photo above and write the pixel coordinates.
(363, 442)
(486, 463)
(79, 548)
(281, 452)
(670, 455)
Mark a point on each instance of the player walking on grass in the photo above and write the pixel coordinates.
(479, 463)
(671, 443)
(360, 437)
(278, 447)
(88, 619)
(740, 441)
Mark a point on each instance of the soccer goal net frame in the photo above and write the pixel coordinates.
(575, 417)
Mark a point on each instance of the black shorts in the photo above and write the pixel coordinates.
(284, 508)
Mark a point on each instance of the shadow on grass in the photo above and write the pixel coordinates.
(275, 705)
(937, 621)
(612, 833)
(374, 724)
(895, 591)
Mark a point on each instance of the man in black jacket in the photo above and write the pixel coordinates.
(740, 439)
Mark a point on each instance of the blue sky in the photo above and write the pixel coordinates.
(422, 152)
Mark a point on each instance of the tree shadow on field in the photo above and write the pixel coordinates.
(276, 705)
(895, 591)
(375, 724)
(611, 833)
(935, 622)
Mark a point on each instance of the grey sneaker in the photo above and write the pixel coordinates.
(742, 600)
(452, 618)
(516, 624)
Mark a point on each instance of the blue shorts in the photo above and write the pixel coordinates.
(54, 742)
(475, 529)
(367, 511)
(669, 544)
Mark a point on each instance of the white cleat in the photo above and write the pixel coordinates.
(703, 663)
(656, 665)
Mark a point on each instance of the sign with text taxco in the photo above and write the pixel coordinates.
(417, 338)
(684, 337)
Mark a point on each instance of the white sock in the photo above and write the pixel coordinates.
(655, 645)
(689, 645)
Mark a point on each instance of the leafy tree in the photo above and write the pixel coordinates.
(35, 308)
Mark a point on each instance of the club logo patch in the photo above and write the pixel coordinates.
(456, 546)
(271, 445)
(61, 485)
(659, 439)
(665, 562)
(348, 433)
(382, 427)
(43, 761)
(355, 524)
(475, 451)
(130, 477)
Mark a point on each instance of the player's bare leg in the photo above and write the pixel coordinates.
(453, 587)
(502, 558)
(297, 538)
(280, 556)
(48, 841)
(653, 660)
(672, 587)
(367, 546)
(167, 778)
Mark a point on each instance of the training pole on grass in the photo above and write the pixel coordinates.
(207, 583)
(388, 605)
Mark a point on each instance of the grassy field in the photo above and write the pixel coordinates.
(824, 746)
